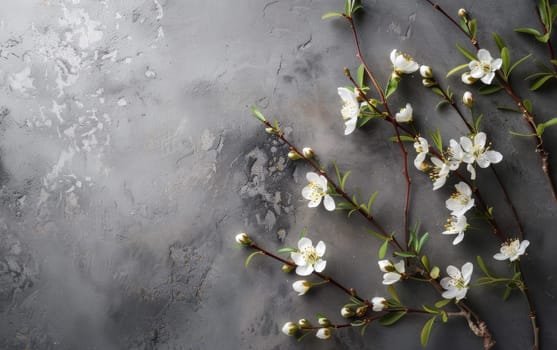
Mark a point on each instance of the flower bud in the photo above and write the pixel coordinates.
(304, 323)
(287, 268)
(425, 72)
(308, 152)
(301, 287)
(290, 328)
(324, 321)
(468, 99)
(379, 304)
(243, 238)
(462, 13)
(434, 273)
(468, 79)
(346, 312)
(361, 311)
(323, 333)
(269, 130)
(428, 82)
(293, 155)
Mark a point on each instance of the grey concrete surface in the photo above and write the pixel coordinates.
(129, 161)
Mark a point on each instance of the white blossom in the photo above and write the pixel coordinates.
(379, 304)
(317, 190)
(350, 109)
(323, 333)
(403, 63)
(461, 201)
(512, 250)
(405, 114)
(457, 284)
(308, 258)
(301, 287)
(422, 147)
(425, 72)
(484, 67)
(476, 151)
(393, 272)
(456, 225)
(290, 328)
(243, 238)
(441, 171)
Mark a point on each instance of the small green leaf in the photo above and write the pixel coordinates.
(441, 303)
(394, 294)
(403, 138)
(305, 334)
(422, 241)
(553, 62)
(391, 318)
(528, 105)
(530, 31)
(371, 200)
(286, 250)
(506, 57)
(539, 83)
(363, 330)
(477, 122)
(425, 262)
(358, 323)
(517, 63)
(426, 331)
(441, 103)
(499, 41)
(248, 259)
(343, 180)
(444, 316)
(508, 109)
(540, 128)
(337, 171)
(391, 87)
(489, 89)
(360, 76)
(383, 249)
(481, 264)
(331, 14)
(405, 254)
(257, 113)
(430, 310)
(466, 53)
(437, 139)
(507, 293)
(438, 91)
(473, 25)
(457, 69)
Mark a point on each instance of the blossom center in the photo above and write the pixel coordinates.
(349, 109)
(316, 191)
(310, 255)
(457, 283)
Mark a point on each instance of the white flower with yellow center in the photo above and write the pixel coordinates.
(512, 250)
(405, 114)
(441, 171)
(422, 147)
(317, 190)
(484, 67)
(403, 63)
(308, 258)
(456, 225)
(393, 272)
(476, 151)
(350, 109)
(461, 201)
(457, 284)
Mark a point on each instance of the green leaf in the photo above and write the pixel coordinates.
(305, 334)
(425, 261)
(506, 57)
(337, 171)
(391, 87)
(530, 31)
(378, 235)
(489, 89)
(478, 122)
(540, 128)
(360, 76)
(331, 14)
(248, 259)
(393, 293)
(391, 318)
(430, 310)
(466, 53)
(343, 180)
(441, 303)
(405, 254)
(457, 69)
(383, 249)
(426, 331)
(528, 105)
(507, 293)
(553, 62)
(347, 4)
(403, 138)
(358, 323)
(517, 63)
(438, 91)
(286, 250)
(363, 330)
(371, 200)
(481, 264)
(444, 316)
(441, 103)
(473, 25)
(499, 41)
(539, 83)
(437, 139)
(508, 109)
(257, 113)
(422, 241)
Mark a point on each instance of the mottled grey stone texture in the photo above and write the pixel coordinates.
(129, 160)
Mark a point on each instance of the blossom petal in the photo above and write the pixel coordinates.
(320, 248)
(494, 157)
(496, 64)
(312, 177)
(467, 270)
(306, 192)
(399, 266)
(500, 257)
(419, 160)
(472, 171)
(458, 238)
(304, 243)
(304, 270)
(320, 265)
(350, 126)
(453, 272)
(393, 56)
(390, 278)
(346, 95)
(298, 258)
(450, 293)
(486, 79)
(315, 203)
(329, 203)
(484, 55)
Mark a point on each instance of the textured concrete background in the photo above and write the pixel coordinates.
(129, 160)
